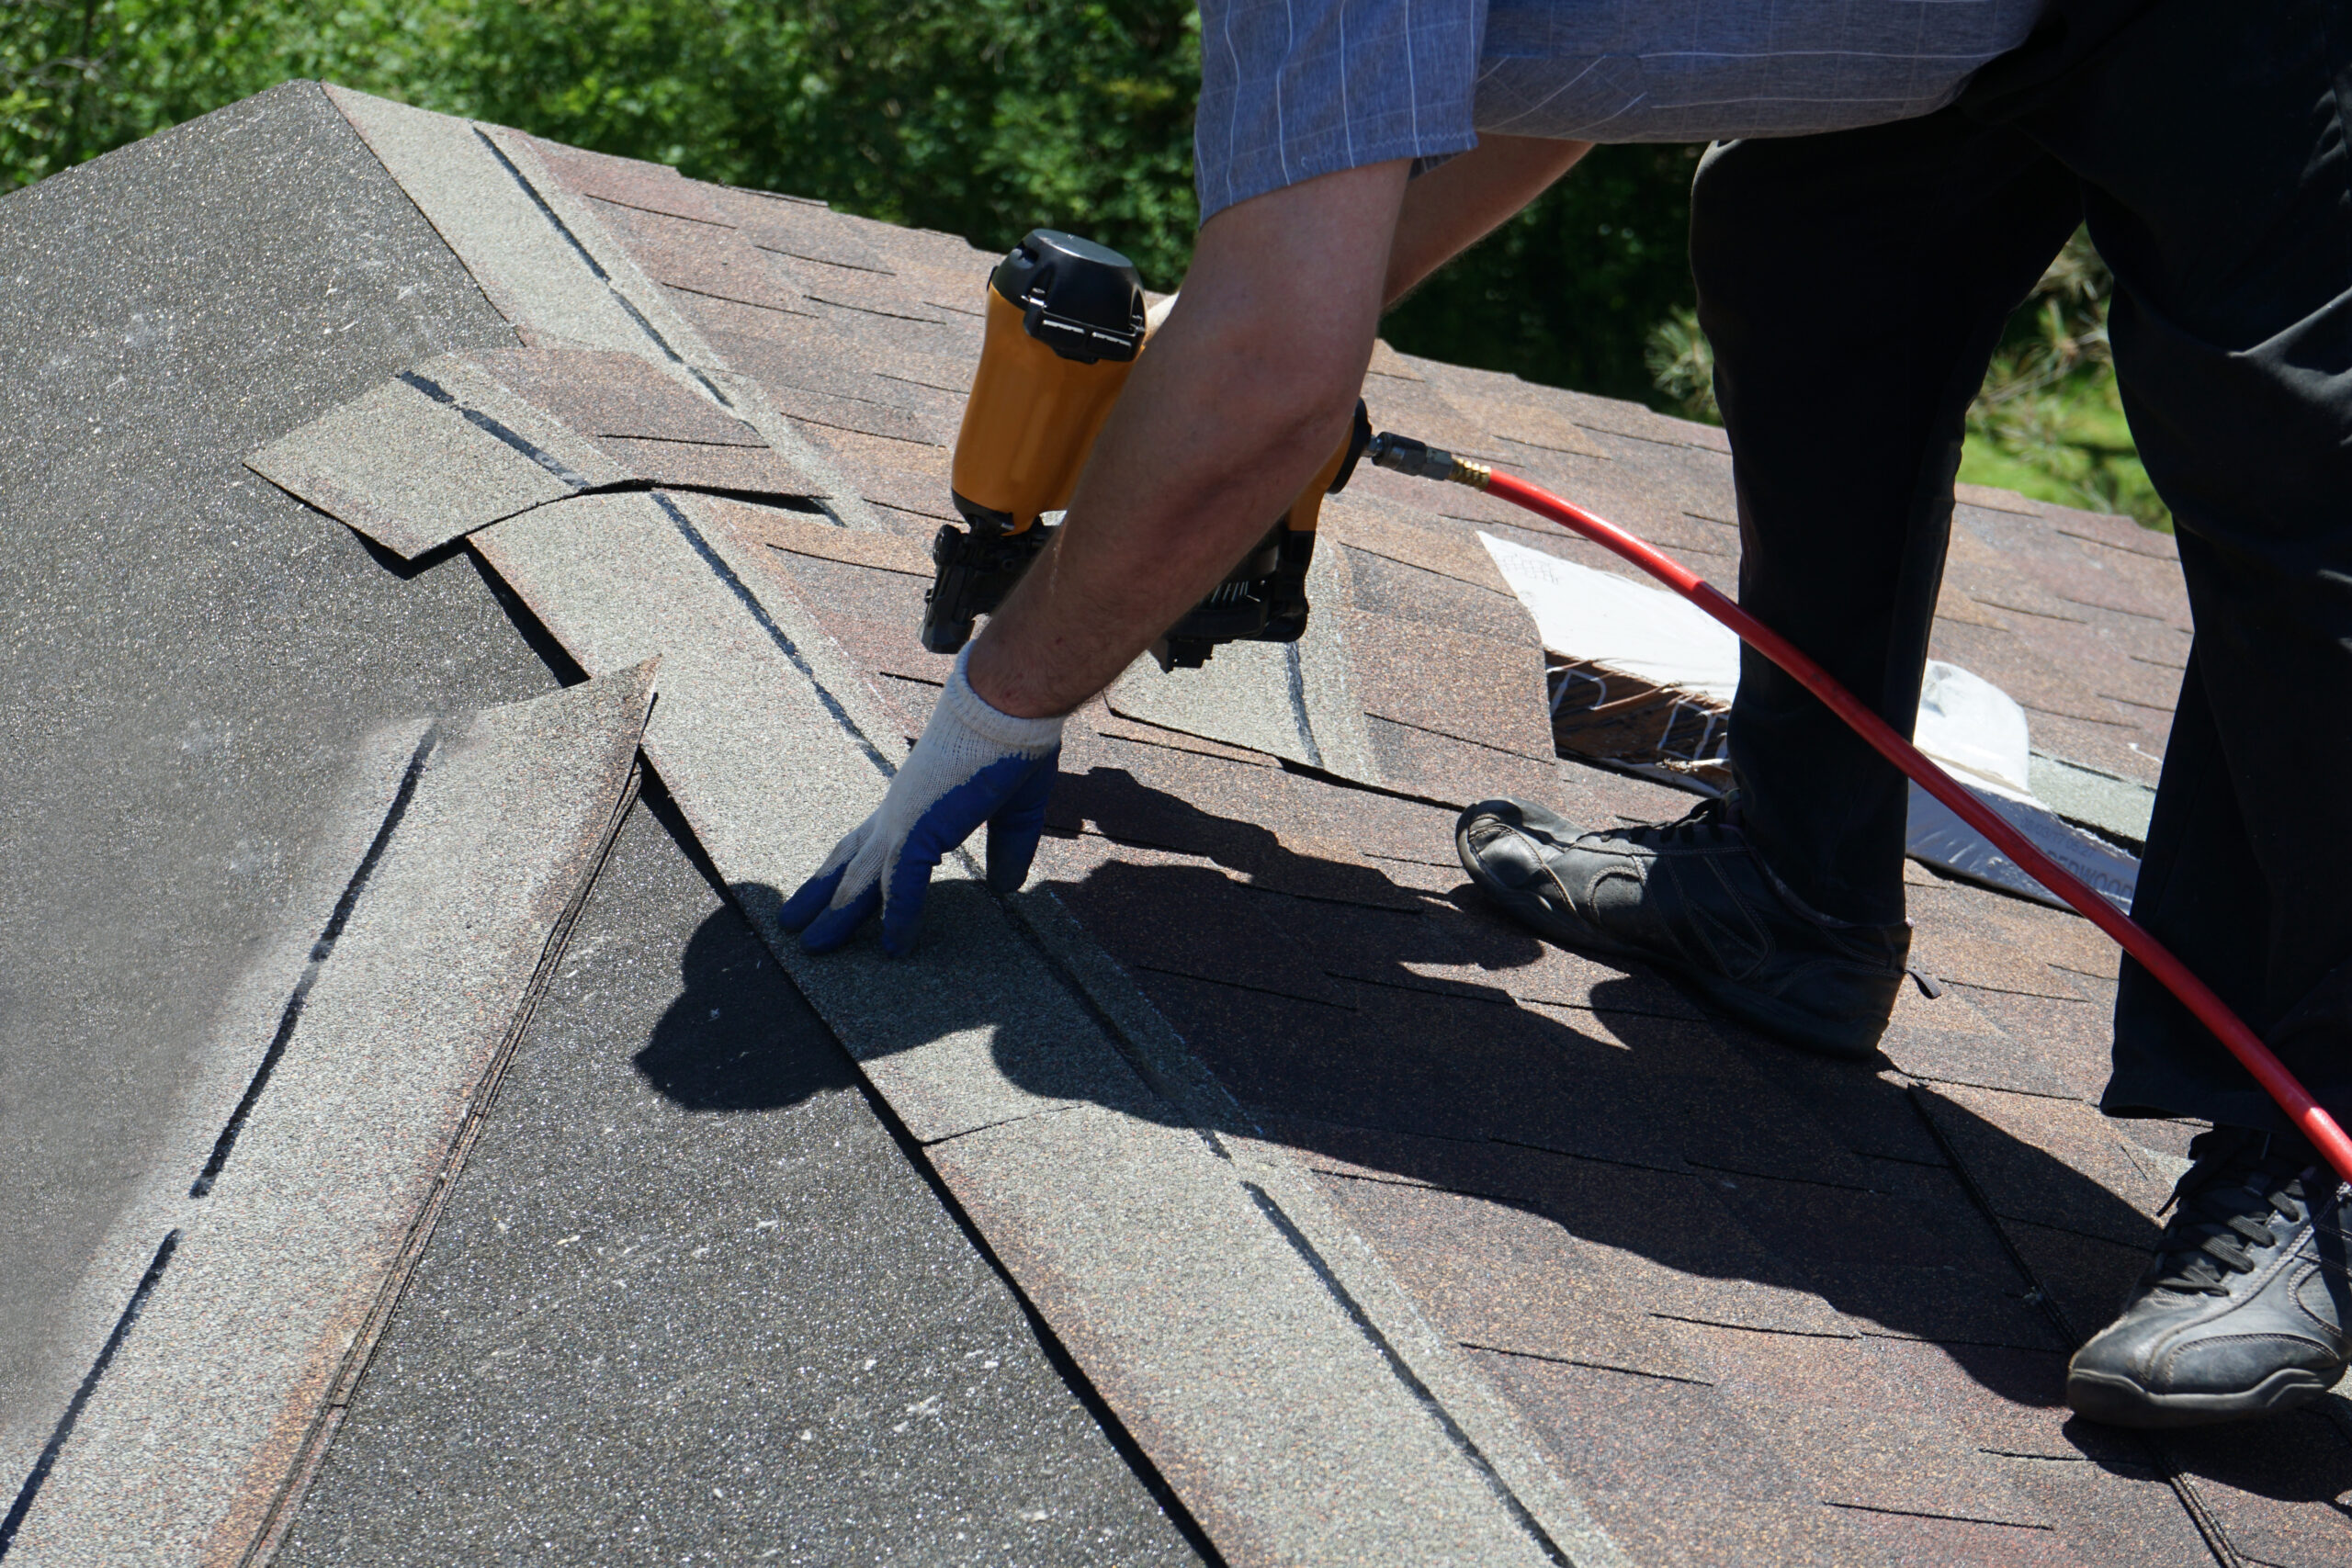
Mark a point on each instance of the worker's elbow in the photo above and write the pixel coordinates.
(1298, 391)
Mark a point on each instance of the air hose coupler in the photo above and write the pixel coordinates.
(1424, 462)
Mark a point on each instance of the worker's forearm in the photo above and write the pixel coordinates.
(1245, 393)
(1242, 395)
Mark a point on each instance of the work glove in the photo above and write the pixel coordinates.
(972, 766)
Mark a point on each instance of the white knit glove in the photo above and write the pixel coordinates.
(972, 766)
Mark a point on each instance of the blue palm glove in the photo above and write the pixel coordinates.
(972, 766)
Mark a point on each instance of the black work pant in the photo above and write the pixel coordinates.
(1854, 286)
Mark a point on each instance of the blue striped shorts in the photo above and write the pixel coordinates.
(1291, 89)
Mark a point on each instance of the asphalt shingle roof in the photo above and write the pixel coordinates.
(1678, 1295)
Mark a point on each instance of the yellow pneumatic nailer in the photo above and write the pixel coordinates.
(1065, 323)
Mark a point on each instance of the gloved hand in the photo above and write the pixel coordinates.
(972, 766)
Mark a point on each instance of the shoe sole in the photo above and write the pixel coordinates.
(2119, 1401)
(1569, 929)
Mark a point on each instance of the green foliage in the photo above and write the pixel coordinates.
(2048, 422)
(985, 118)
(1566, 292)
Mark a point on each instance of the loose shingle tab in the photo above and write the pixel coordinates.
(406, 469)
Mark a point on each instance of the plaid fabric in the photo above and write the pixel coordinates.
(1291, 89)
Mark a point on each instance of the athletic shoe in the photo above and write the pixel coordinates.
(2244, 1308)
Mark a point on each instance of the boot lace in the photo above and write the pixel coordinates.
(1702, 818)
(2227, 1203)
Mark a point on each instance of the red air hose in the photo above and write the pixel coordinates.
(1412, 457)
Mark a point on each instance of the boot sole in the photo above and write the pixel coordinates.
(1791, 1028)
(2119, 1401)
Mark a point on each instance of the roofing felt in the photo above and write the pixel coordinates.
(1563, 1261)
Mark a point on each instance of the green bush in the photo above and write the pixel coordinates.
(985, 118)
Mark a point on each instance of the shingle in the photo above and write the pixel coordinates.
(1951, 1040)
(1409, 594)
(938, 373)
(1382, 527)
(1419, 409)
(729, 324)
(601, 394)
(2279, 1487)
(1704, 1267)
(1980, 1301)
(1497, 1276)
(1980, 960)
(1507, 410)
(407, 469)
(1674, 1472)
(1440, 768)
(2010, 663)
(1175, 915)
(693, 465)
(813, 362)
(2128, 752)
(1846, 1420)
(901, 474)
(2006, 1400)
(1375, 824)
(2051, 1161)
(1814, 1222)
(795, 228)
(2076, 1039)
(897, 344)
(1313, 1062)
(649, 187)
(862, 414)
(1867, 1112)
(1553, 1083)
(2114, 533)
(1173, 800)
(899, 245)
(1740, 1127)
(1505, 952)
(2083, 1278)
(1623, 418)
(797, 534)
(1915, 1541)
(699, 258)
(2109, 1512)
(2076, 571)
(1104, 722)
(856, 288)
(1647, 488)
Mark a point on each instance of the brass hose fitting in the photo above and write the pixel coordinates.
(1422, 460)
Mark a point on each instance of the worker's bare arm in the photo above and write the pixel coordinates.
(1242, 395)
(1464, 199)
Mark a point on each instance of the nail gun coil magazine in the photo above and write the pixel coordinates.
(1064, 322)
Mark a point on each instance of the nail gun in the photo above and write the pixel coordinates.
(1065, 324)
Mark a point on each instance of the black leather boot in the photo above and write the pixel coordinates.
(1691, 897)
